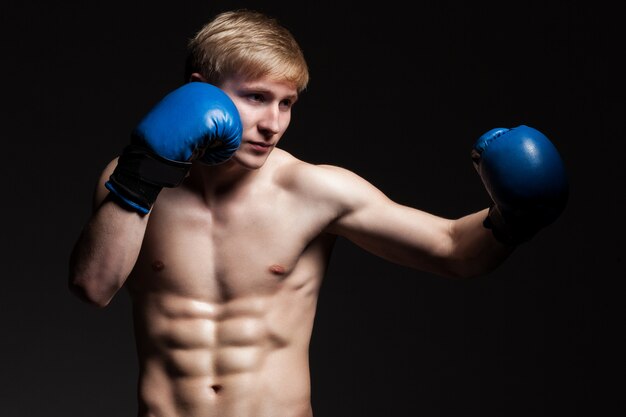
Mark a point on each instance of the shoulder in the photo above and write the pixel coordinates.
(295, 174)
(321, 181)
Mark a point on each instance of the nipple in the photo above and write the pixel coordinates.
(277, 269)
(158, 265)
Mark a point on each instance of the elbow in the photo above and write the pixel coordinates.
(472, 257)
(455, 264)
(458, 265)
(91, 291)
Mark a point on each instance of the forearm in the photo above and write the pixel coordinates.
(106, 252)
(474, 249)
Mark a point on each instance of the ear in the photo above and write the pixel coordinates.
(197, 77)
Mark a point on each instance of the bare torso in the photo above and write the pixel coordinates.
(224, 295)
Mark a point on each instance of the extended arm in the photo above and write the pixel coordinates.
(414, 238)
(525, 179)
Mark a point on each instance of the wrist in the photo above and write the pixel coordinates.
(508, 228)
(140, 175)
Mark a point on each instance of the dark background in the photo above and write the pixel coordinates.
(396, 95)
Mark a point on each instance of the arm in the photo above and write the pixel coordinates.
(522, 173)
(195, 122)
(107, 247)
(411, 237)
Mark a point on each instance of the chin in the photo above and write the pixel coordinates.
(250, 162)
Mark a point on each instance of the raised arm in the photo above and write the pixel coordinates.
(107, 248)
(194, 122)
(524, 177)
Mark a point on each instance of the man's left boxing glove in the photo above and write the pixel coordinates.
(526, 179)
(197, 121)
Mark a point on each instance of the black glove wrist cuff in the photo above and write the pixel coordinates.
(140, 176)
(510, 231)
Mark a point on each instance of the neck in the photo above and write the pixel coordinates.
(221, 178)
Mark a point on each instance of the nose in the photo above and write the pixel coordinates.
(270, 120)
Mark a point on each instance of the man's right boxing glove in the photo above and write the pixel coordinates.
(197, 121)
(525, 178)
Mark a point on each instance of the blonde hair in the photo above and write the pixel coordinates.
(246, 43)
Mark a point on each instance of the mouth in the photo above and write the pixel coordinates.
(260, 146)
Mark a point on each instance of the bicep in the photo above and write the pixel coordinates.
(393, 231)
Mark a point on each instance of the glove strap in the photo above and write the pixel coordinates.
(140, 176)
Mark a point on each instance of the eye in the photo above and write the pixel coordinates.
(259, 98)
(286, 104)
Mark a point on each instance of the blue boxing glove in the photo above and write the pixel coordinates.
(526, 179)
(197, 121)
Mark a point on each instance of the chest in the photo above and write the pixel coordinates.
(252, 245)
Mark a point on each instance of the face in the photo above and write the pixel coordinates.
(265, 109)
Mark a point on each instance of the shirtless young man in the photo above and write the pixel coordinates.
(224, 267)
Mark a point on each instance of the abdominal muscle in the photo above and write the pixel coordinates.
(245, 357)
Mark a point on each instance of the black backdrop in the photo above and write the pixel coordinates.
(396, 95)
